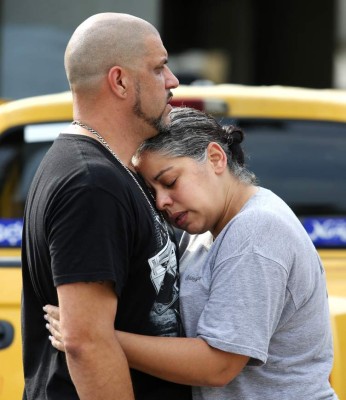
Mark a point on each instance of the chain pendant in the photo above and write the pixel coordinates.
(106, 145)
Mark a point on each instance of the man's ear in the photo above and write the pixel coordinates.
(216, 157)
(118, 81)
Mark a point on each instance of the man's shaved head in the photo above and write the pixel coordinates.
(101, 42)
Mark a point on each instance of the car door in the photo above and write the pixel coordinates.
(21, 150)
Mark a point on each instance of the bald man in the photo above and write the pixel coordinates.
(93, 241)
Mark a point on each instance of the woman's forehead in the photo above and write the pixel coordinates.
(152, 160)
(154, 164)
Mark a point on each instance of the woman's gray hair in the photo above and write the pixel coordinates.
(188, 135)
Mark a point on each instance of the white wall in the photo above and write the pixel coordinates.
(339, 75)
(341, 21)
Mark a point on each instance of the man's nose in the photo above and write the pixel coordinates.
(171, 80)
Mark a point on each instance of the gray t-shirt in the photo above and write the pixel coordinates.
(259, 290)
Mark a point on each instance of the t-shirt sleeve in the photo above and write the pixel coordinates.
(90, 236)
(247, 295)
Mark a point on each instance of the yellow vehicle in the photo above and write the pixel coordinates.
(296, 142)
(27, 128)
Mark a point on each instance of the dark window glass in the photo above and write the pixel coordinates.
(21, 151)
(304, 162)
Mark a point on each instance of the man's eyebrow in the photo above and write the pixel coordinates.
(161, 172)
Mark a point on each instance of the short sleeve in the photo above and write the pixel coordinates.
(246, 299)
(90, 236)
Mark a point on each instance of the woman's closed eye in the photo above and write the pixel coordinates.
(169, 184)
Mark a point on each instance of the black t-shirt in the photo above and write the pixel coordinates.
(87, 220)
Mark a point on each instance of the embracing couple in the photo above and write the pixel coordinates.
(237, 310)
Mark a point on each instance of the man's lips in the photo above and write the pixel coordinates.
(169, 98)
(179, 218)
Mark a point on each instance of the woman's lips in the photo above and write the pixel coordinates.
(179, 219)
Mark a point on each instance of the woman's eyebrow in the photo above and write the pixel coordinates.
(161, 172)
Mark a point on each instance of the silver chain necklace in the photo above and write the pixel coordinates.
(156, 215)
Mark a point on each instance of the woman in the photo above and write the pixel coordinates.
(253, 291)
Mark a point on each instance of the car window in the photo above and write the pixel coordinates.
(21, 150)
(304, 162)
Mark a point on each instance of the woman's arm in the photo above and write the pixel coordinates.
(189, 361)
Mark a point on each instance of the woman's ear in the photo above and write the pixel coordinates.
(118, 81)
(216, 157)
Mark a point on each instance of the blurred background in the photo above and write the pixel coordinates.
(267, 42)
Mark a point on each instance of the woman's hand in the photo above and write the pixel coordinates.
(53, 325)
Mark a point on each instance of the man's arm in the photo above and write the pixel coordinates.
(189, 361)
(96, 362)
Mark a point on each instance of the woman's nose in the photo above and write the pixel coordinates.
(163, 200)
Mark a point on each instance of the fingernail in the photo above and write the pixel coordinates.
(45, 317)
(47, 326)
(45, 308)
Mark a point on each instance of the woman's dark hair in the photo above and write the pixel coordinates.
(188, 135)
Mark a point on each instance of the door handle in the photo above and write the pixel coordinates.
(6, 334)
